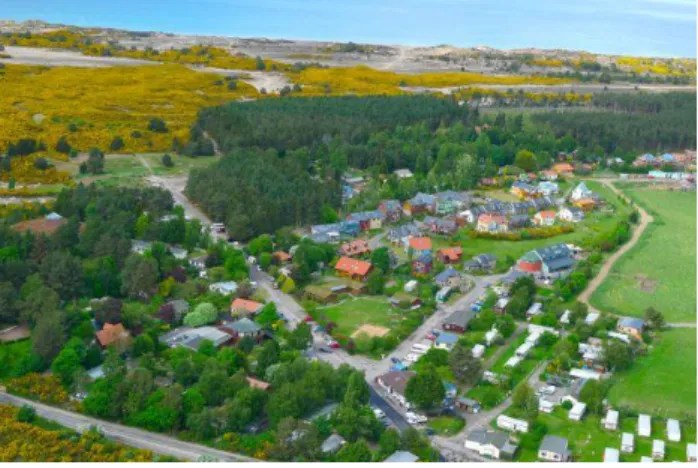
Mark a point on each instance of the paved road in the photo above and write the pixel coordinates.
(133, 437)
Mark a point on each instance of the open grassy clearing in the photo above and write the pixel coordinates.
(588, 439)
(446, 425)
(351, 313)
(660, 271)
(664, 382)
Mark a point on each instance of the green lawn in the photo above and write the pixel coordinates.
(664, 382)
(11, 355)
(353, 312)
(446, 425)
(588, 439)
(665, 255)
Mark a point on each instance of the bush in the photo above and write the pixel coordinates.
(167, 160)
(157, 125)
(116, 144)
(26, 414)
(41, 164)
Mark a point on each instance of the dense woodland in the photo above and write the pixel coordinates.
(310, 143)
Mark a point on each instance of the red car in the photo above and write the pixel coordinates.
(334, 345)
(308, 319)
(431, 336)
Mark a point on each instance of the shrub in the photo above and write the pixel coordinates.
(157, 125)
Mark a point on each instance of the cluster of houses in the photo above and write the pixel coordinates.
(686, 159)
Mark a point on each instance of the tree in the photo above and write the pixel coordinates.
(526, 160)
(62, 272)
(328, 214)
(380, 258)
(143, 344)
(213, 385)
(425, 389)
(62, 146)
(357, 392)
(267, 315)
(48, 336)
(618, 355)
(466, 368)
(9, 310)
(109, 311)
(203, 314)
(157, 125)
(389, 443)
(524, 398)
(41, 164)
(654, 318)
(139, 276)
(167, 160)
(259, 64)
(375, 284)
(26, 414)
(301, 337)
(355, 452)
(269, 355)
(116, 144)
(593, 394)
(95, 161)
(65, 365)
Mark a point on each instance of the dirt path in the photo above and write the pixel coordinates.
(216, 148)
(645, 219)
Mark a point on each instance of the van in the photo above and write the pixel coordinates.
(379, 413)
(420, 348)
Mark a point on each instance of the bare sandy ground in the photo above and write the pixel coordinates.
(65, 58)
(271, 81)
(370, 330)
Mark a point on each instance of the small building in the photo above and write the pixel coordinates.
(535, 309)
(554, 449)
(457, 321)
(548, 188)
(241, 306)
(524, 190)
(512, 424)
(402, 457)
(404, 300)
(439, 225)
(544, 218)
(565, 317)
(422, 264)
(467, 404)
(591, 318)
(580, 191)
(491, 444)
(490, 336)
(391, 209)
(571, 214)
(199, 262)
(513, 361)
(501, 304)
(518, 221)
(115, 335)
(419, 245)
(244, 327)
(631, 326)
(332, 444)
(258, 384)
(627, 443)
(354, 269)
(545, 406)
(482, 262)
(547, 260)
(411, 285)
(320, 294)
(446, 341)
(449, 255)
(368, 220)
(691, 455)
(658, 447)
(644, 425)
(450, 277)
(610, 422)
(492, 223)
(191, 338)
(281, 257)
(585, 204)
(395, 382)
(478, 351)
(673, 430)
(225, 288)
(403, 173)
(179, 307)
(577, 411)
(611, 455)
(523, 350)
(420, 203)
(355, 248)
(563, 169)
(548, 175)
(644, 459)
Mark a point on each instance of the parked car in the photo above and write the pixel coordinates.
(430, 431)
(334, 345)
(322, 349)
(395, 360)
(308, 319)
(430, 336)
(379, 413)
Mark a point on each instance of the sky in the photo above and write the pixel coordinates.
(628, 27)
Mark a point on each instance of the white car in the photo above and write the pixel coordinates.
(412, 357)
(379, 413)
(414, 418)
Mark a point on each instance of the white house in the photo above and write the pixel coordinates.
(478, 351)
(224, 287)
(548, 188)
(691, 453)
(565, 318)
(523, 350)
(571, 214)
(591, 318)
(611, 455)
(585, 374)
(644, 425)
(411, 285)
(577, 411)
(673, 430)
(535, 309)
(644, 459)
(513, 362)
(627, 443)
(512, 424)
(580, 191)
(490, 336)
(619, 336)
(490, 444)
(610, 422)
(658, 449)
(545, 406)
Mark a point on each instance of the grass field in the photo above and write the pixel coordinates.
(588, 439)
(664, 382)
(446, 425)
(11, 354)
(350, 314)
(665, 254)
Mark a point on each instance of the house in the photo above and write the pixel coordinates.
(48, 225)
(591, 318)
(518, 221)
(535, 309)
(673, 430)
(513, 362)
(179, 307)
(244, 327)
(281, 257)
(478, 351)
(581, 191)
(402, 234)
(225, 288)
(544, 218)
(501, 304)
(585, 374)
(411, 285)
(419, 245)
(585, 204)
(547, 260)
(241, 306)
(492, 223)
(548, 188)
(610, 422)
(644, 425)
(140, 247)
(691, 455)
(524, 190)
(658, 447)
(611, 455)
(468, 405)
(490, 336)
(563, 169)
(565, 317)
(178, 253)
(191, 338)
(449, 255)
(491, 444)
(450, 277)
(402, 457)
(404, 300)
(482, 262)
(627, 443)
(644, 459)
(351, 268)
(355, 248)
(554, 449)
(571, 214)
(512, 424)
(395, 382)
(199, 262)
(631, 326)
(115, 335)
(450, 202)
(422, 264)
(368, 220)
(332, 444)
(440, 225)
(391, 209)
(320, 294)
(545, 406)
(457, 321)
(403, 173)
(646, 159)
(523, 350)
(420, 203)
(577, 411)
(548, 175)
(446, 341)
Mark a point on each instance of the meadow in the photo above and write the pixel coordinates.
(665, 255)
(663, 382)
(352, 312)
